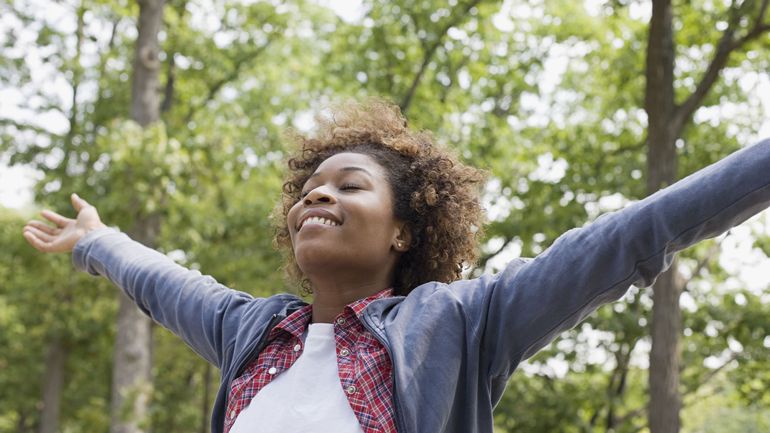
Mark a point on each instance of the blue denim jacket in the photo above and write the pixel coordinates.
(454, 346)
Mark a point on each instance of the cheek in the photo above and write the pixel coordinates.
(291, 219)
(379, 223)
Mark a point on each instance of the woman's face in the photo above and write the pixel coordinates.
(344, 221)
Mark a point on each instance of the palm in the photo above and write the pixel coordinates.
(65, 233)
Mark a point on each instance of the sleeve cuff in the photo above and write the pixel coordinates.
(80, 250)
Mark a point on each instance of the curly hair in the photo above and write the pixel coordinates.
(434, 194)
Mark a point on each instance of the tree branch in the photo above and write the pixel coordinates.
(168, 91)
(632, 414)
(758, 22)
(684, 111)
(102, 71)
(428, 55)
(379, 31)
(484, 258)
(217, 85)
(616, 385)
(452, 72)
(727, 44)
(702, 263)
(691, 397)
(617, 151)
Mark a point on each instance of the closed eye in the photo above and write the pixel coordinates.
(345, 187)
(349, 186)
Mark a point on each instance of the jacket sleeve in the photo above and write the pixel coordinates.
(204, 313)
(529, 303)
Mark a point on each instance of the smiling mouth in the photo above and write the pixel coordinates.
(317, 220)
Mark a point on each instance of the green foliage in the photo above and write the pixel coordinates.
(546, 96)
(529, 404)
(41, 299)
(719, 413)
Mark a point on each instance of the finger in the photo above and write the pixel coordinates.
(43, 227)
(37, 243)
(55, 218)
(78, 203)
(45, 237)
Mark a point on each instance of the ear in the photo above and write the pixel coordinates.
(402, 240)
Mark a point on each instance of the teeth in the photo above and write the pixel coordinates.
(319, 220)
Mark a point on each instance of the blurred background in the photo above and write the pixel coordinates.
(171, 118)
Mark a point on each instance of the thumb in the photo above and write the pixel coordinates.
(78, 203)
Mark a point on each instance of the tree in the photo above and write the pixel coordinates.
(745, 22)
(548, 96)
(602, 147)
(194, 189)
(132, 372)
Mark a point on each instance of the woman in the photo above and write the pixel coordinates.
(378, 222)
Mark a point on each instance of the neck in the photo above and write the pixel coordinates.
(330, 299)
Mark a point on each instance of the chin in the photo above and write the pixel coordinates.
(313, 259)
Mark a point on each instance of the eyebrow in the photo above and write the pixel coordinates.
(350, 168)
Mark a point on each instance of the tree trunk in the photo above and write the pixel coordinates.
(131, 373)
(145, 101)
(665, 401)
(131, 376)
(205, 402)
(53, 378)
(53, 381)
(22, 424)
(666, 121)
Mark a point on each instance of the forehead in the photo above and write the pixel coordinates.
(346, 160)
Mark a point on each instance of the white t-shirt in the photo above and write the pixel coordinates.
(306, 398)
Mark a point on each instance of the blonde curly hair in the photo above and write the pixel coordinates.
(434, 194)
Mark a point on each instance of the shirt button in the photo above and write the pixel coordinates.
(297, 347)
(351, 389)
(232, 413)
(341, 321)
(344, 352)
(272, 370)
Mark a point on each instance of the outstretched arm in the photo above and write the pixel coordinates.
(204, 313)
(531, 302)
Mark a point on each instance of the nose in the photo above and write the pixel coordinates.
(319, 195)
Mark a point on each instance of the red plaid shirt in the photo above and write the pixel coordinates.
(362, 361)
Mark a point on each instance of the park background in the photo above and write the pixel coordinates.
(176, 130)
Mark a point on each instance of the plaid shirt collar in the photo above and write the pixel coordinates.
(297, 322)
(368, 385)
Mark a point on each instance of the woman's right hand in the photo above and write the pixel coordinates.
(65, 233)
